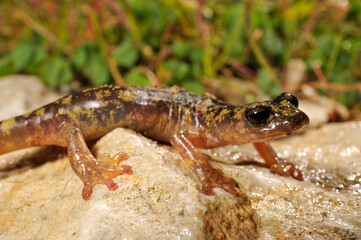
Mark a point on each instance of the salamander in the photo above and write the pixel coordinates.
(187, 121)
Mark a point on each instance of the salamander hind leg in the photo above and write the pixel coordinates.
(90, 170)
(185, 143)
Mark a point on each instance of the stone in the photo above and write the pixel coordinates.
(326, 205)
(159, 201)
(25, 93)
(40, 195)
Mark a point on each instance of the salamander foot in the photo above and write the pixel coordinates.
(287, 169)
(102, 172)
(90, 170)
(214, 178)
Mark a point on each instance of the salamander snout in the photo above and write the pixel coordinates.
(296, 119)
(304, 118)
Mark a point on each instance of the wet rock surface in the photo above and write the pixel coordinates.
(40, 196)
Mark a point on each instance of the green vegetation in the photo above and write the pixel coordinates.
(188, 43)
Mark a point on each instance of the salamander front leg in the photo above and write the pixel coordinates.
(185, 143)
(276, 164)
(88, 168)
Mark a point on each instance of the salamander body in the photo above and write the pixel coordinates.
(186, 120)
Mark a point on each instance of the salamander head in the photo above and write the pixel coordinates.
(268, 120)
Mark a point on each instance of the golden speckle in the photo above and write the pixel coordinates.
(222, 114)
(7, 125)
(239, 113)
(40, 112)
(67, 100)
(112, 114)
(26, 115)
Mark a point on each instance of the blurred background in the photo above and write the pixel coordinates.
(237, 50)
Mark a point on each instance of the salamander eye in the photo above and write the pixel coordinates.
(258, 115)
(288, 97)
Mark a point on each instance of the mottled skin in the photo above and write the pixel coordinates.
(172, 115)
